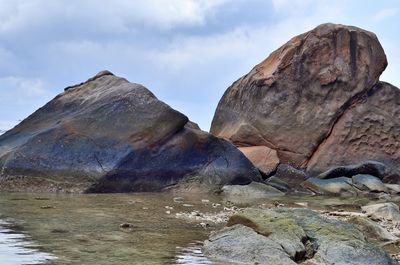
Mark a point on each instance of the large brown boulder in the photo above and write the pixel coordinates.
(317, 102)
(109, 135)
(369, 130)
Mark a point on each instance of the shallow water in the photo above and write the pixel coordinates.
(16, 248)
(86, 229)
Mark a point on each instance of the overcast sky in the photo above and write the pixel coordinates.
(187, 52)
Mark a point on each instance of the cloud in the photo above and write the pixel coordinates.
(241, 44)
(186, 51)
(19, 97)
(22, 87)
(116, 16)
(384, 14)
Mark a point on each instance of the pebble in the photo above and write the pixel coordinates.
(47, 207)
(178, 199)
(126, 225)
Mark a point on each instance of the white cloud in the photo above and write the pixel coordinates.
(384, 14)
(22, 87)
(245, 45)
(117, 15)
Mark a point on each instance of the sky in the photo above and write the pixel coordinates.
(187, 52)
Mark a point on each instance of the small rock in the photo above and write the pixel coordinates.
(42, 198)
(368, 183)
(302, 204)
(204, 225)
(126, 226)
(178, 199)
(47, 207)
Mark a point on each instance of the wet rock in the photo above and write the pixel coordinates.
(110, 135)
(253, 190)
(373, 168)
(293, 177)
(292, 101)
(383, 211)
(241, 244)
(264, 158)
(278, 184)
(340, 185)
(368, 183)
(291, 236)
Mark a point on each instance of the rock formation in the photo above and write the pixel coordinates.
(109, 135)
(317, 101)
(291, 236)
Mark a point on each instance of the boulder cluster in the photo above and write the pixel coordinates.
(314, 105)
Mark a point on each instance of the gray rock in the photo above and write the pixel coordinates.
(278, 184)
(393, 188)
(383, 211)
(291, 236)
(109, 135)
(254, 190)
(373, 231)
(239, 244)
(341, 185)
(368, 183)
(293, 177)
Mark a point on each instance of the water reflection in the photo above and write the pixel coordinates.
(18, 249)
(191, 255)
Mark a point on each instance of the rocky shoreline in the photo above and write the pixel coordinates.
(311, 119)
(374, 228)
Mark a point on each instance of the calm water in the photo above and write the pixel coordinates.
(86, 229)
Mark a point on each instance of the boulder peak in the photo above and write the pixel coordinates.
(291, 101)
(98, 75)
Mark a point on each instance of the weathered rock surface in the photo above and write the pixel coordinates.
(368, 183)
(317, 102)
(369, 130)
(264, 158)
(373, 231)
(288, 176)
(383, 211)
(360, 184)
(291, 236)
(341, 185)
(109, 135)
